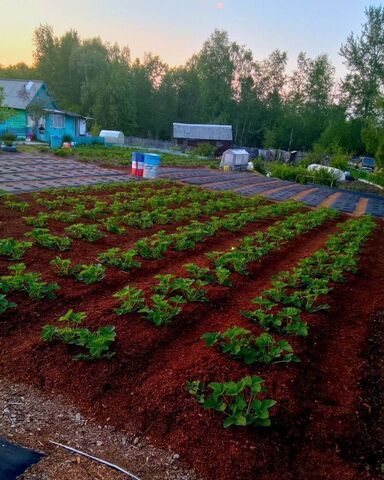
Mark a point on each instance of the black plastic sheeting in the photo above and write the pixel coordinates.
(14, 459)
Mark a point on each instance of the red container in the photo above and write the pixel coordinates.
(134, 167)
(140, 169)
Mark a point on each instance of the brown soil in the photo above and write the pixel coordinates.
(141, 390)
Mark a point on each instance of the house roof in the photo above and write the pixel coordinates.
(202, 131)
(64, 112)
(19, 93)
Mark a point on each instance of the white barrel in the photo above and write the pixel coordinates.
(151, 171)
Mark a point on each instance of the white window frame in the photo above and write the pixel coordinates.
(58, 120)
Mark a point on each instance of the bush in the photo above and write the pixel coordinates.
(63, 152)
(95, 130)
(67, 138)
(340, 161)
(302, 175)
(204, 150)
(258, 165)
(8, 138)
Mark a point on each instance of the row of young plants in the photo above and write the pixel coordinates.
(92, 232)
(186, 238)
(171, 292)
(279, 308)
(21, 281)
(84, 273)
(254, 247)
(200, 203)
(96, 343)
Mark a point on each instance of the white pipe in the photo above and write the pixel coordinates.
(104, 462)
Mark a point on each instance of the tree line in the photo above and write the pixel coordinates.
(222, 83)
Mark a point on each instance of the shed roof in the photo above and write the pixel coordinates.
(19, 93)
(237, 151)
(202, 131)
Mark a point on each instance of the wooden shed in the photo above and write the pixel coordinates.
(189, 135)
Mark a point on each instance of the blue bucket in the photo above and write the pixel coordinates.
(56, 141)
(151, 159)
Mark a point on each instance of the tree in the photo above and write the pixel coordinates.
(364, 58)
(4, 112)
(36, 111)
(214, 67)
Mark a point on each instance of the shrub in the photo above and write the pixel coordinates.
(63, 152)
(8, 138)
(67, 138)
(340, 161)
(204, 150)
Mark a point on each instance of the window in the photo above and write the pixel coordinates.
(58, 120)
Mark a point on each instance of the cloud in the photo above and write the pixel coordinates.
(219, 5)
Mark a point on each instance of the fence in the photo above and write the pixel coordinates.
(148, 142)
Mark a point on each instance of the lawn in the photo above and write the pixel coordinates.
(237, 332)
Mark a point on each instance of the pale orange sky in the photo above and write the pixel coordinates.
(175, 29)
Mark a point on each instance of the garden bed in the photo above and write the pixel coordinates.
(142, 389)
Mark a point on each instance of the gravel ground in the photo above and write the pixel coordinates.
(31, 419)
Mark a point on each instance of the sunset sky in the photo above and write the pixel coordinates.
(175, 29)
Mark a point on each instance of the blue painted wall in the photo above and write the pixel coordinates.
(18, 122)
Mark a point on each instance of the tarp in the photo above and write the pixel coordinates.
(14, 459)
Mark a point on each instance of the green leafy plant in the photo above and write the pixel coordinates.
(19, 206)
(163, 310)
(112, 224)
(13, 249)
(239, 342)
(5, 304)
(96, 343)
(132, 299)
(238, 401)
(43, 237)
(63, 266)
(29, 282)
(39, 221)
(123, 260)
(89, 233)
(89, 274)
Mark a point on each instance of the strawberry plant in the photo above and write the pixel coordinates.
(114, 258)
(239, 342)
(287, 320)
(5, 304)
(200, 273)
(96, 343)
(238, 401)
(73, 317)
(39, 221)
(89, 274)
(63, 266)
(188, 288)
(66, 217)
(29, 282)
(13, 249)
(43, 237)
(19, 206)
(89, 233)
(162, 310)
(38, 290)
(112, 224)
(153, 248)
(132, 300)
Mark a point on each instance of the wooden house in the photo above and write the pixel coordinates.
(191, 135)
(19, 95)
